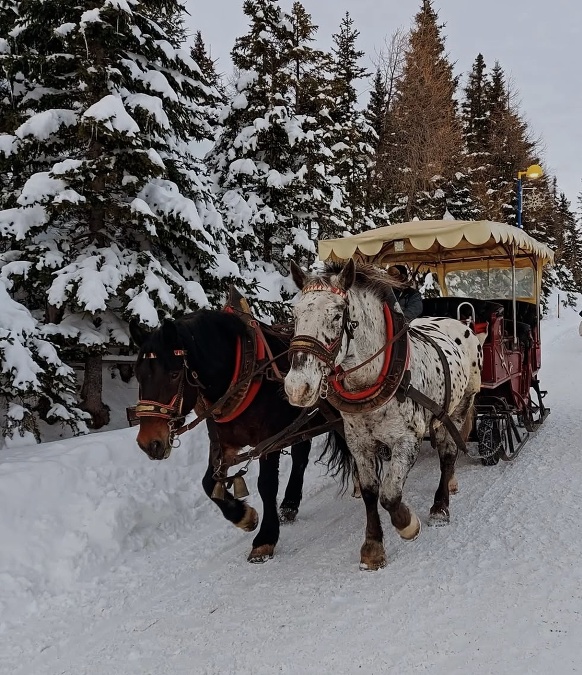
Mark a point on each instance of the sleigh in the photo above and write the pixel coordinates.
(487, 275)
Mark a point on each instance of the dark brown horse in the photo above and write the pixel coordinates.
(193, 359)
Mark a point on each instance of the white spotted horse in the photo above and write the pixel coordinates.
(393, 384)
(199, 362)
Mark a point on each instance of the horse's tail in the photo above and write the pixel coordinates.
(339, 460)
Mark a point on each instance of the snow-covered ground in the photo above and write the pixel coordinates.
(114, 565)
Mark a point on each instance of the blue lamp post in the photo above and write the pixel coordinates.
(534, 171)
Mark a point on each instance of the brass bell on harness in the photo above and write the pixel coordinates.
(219, 491)
(240, 487)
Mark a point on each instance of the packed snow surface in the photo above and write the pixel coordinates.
(111, 564)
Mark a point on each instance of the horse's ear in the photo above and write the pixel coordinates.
(299, 276)
(138, 334)
(347, 276)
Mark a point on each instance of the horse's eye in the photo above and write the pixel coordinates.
(337, 317)
(175, 374)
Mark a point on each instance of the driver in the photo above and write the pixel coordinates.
(408, 297)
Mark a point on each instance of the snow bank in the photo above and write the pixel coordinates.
(69, 510)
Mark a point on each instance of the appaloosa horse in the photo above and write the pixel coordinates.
(190, 364)
(346, 325)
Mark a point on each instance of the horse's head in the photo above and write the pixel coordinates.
(322, 327)
(167, 392)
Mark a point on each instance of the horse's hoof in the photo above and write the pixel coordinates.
(372, 556)
(411, 531)
(372, 567)
(439, 518)
(287, 514)
(250, 520)
(260, 554)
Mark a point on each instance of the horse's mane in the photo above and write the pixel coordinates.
(370, 278)
(209, 338)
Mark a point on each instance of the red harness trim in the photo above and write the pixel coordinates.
(255, 384)
(370, 391)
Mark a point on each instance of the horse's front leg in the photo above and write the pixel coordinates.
(404, 453)
(294, 491)
(372, 555)
(234, 510)
(237, 512)
(268, 535)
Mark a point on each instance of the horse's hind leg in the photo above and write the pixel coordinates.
(439, 511)
(448, 451)
(294, 491)
(268, 484)
(404, 453)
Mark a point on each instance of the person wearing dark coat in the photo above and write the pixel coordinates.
(408, 297)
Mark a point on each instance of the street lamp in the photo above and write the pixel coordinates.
(534, 171)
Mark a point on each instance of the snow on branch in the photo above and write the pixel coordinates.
(112, 115)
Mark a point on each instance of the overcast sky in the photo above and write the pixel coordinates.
(538, 43)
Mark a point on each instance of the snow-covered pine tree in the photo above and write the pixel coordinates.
(376, 115)
(426, 128)
(114, 215)
(568, 260)
(33, 379)
(207, 66)
(476, 129)
(389, 71)
(319, 197)
(255, 158)
(352, 132)
(509, 147)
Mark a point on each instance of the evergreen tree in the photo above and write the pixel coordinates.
(252, 158)
(509, 147)
(376, 116)
(352, 133)
(476, 132)
(426, 128)
(33, 379)
(207, 66)
(567, 266)
(319, 198)
(272, 157)
(114, 217)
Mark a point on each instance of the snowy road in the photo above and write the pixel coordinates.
(498, 591)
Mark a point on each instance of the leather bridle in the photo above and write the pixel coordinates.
(307, 344)
(171, 411)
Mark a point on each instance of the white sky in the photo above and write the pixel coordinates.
(538, 43)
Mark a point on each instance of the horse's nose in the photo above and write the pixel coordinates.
(155, 450)
(298, 393)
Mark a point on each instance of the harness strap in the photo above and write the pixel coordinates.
(408, 391)
(440, 413)
(342, 374)
(212, 408)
